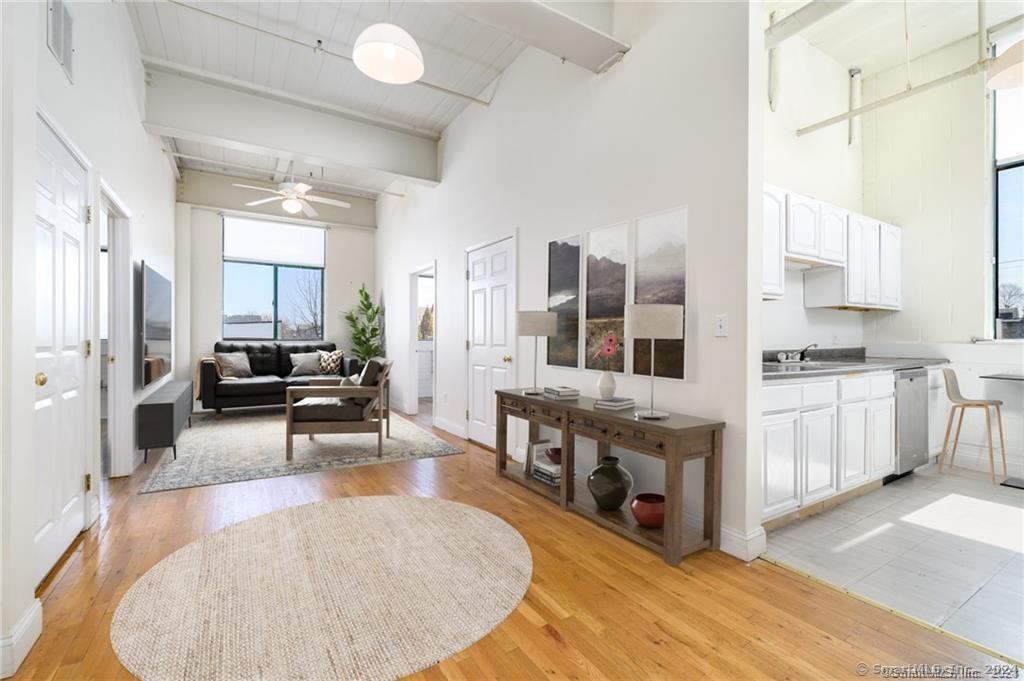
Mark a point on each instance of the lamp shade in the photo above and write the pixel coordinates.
(387, 53)
(654, 321)
(1007, 70)
(536, 323)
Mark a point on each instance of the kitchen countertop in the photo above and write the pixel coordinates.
(842, 367)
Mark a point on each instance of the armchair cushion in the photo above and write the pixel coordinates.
(311, 409)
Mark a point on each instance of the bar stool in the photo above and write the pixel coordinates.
(963, 404)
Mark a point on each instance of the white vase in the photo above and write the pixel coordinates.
(606, 385)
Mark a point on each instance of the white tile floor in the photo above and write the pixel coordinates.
(947, 548)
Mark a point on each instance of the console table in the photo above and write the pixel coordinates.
(162, 415)
(674, 441)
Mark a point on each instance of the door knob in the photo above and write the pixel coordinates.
(41, 379)
(110, 359)
(506, 359)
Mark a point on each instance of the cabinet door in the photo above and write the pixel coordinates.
(872, 263)
(803, 236)
(773, 267)
(780, 474)
(853, 444)
(890, 265)
(833, 234)
(855, 260)
(818, 454)
(882, 436)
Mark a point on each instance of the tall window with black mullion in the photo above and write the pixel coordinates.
(1009, 210)
(273, 280)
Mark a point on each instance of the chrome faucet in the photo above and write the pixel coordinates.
(802, 354)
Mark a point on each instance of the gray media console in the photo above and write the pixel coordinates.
(162, 415)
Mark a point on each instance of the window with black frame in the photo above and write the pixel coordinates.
(1009, 213)
(273, 280)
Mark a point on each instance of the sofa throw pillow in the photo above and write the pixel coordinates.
(233, 364)
(305, 363)
(330, 362)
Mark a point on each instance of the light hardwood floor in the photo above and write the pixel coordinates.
(599, 607)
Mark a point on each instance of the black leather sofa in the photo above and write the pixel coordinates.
(271, 365)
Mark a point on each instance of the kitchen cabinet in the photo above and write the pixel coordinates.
(853, 445)
(833, 234)
(773, 270)
(890, 267)
(872, 276)
(780, 473)
(882, 430)
(815, 231)
(818, 454)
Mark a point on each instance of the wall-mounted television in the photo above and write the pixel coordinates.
(156, 325)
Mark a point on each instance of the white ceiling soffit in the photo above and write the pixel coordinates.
(552, 30)
(868, 34)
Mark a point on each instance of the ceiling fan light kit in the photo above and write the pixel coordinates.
(387, 53)
(291, 205)
(294, 198)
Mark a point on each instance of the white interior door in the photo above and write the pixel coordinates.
(491, 333)
(60, 331)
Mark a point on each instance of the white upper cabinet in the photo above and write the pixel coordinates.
(872, 264)
(832, 223)
(803, 227)
(773, 249)
(890, 265)
(855, 262)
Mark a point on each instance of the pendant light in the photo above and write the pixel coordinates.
(1007, 70)
(387, 53)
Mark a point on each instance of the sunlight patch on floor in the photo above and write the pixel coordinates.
(988, 522)
(860, 539)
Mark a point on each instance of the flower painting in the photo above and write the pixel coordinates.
(564, 300)
(660, 277)
(606, 298)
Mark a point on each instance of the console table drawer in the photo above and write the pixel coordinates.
(640, 440)
(588, 427)
(545, 415)
(513, 405)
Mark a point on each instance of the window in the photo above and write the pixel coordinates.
(1009, 214)
(273, 280)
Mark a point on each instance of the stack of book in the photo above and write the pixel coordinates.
(546, 471)
(615, 403)
(561, 392)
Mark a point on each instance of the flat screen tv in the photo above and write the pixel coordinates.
(156, 325)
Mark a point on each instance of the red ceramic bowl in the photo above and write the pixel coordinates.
(555, 454)
(649, 509)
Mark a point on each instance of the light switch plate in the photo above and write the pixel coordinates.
(721, 325)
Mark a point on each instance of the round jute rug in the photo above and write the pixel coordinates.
(358, 588)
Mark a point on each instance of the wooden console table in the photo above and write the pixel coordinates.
(674, 440)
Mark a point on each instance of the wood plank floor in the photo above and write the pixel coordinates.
(599, 607)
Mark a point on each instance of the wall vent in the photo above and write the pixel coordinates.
(58, 34)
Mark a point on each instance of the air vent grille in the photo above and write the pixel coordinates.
(58, 34)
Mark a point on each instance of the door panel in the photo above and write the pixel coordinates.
(882, 433)
(773, 265)
(853, 444)
(855, 260)
(872, 265)
(890, 266)
(491, 306)
(780, 475)
(60, 310)
(818, 453)
(833, 234)
(802, 231)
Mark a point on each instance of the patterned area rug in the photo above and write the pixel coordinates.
(358, 588)
(250, 446)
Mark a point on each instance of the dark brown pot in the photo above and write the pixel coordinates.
(649, 509)
(609, 484)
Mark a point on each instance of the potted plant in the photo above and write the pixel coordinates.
(365, 322)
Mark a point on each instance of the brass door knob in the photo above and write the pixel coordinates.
(110, 359)
(41, 378)
(506, 359)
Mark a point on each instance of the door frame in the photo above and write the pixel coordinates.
(120, 424)
(514, 288)
(412, 402)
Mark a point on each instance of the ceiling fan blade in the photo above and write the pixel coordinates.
(308, 209)
(259, 189)
(260, 202)
(329, 202)
(302, 188)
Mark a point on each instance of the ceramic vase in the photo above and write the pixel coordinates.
(609, 484)
(606, 385)
(649, 509)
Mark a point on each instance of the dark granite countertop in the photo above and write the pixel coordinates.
(840, 362)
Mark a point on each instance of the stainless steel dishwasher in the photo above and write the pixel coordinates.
(911, 419)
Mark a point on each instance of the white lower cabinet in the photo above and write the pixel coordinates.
(818, 454)
(853, 444)
(780, 474)
(882, 430)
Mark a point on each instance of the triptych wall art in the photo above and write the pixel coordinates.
(643, 261)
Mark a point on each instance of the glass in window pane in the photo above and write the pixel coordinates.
(1010, 262)
(279, 243)
(248, 300)
(300, 303)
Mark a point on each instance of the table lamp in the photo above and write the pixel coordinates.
(653, 322)
(536, 323)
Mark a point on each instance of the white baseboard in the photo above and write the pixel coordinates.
(15, 646)
(746, 547)
(456, 429)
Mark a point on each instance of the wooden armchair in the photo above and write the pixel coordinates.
(329, 407)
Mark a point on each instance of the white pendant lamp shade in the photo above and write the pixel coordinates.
(1007, 70)
(654, 321)
(387, 53)
(536, 323)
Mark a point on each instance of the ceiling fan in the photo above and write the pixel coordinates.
(294, 197)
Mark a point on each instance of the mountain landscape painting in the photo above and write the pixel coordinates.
(606, 298)
(661, 278)
(564, 299)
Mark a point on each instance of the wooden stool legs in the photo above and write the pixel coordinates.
(991, 452)
(1002, 440)
(988, 429)
(945, 442)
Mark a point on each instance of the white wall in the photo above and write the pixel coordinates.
(101, 113)
(811, 86)
(350, 259)
(562, 151)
